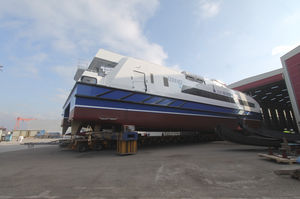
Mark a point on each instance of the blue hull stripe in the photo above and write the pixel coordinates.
(101, 96)
(107, 104)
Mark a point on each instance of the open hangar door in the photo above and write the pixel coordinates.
(277, 92)
(291, 70)
(270, 91)
(275, 105)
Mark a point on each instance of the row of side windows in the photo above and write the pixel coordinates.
(246, 103)
(166, 81)
(203, 93)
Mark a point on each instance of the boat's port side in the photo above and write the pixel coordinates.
(91, 105)
(98, 93)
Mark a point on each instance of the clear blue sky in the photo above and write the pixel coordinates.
(42, 42)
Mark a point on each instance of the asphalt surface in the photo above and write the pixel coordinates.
(205, 170)
(9, 148)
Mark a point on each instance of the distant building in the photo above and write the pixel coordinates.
(2, 130)
(38, 127)
(43, 124)
(25, 133)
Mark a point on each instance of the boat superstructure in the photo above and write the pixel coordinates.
(117, 90)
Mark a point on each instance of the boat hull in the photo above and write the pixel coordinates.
(147, 121)
(111, 106)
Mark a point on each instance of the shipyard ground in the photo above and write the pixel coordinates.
(204, 170)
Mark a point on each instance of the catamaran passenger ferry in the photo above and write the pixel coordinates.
(117, 90)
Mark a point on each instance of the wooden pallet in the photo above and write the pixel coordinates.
(279, 158)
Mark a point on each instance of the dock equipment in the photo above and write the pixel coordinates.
(279, 158)
(90, 141)
(125, 140)
(287, 153)
(294, 173)
(19, 119)
(127, 143)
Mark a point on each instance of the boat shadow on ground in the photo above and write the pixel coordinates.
(250, 150)
(142, 149)
(172, 145)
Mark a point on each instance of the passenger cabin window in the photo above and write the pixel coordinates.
(207, 94)
(151, 78)
(166, 82)
(194, 78)
(191, 78)
(246, 103)
(89, 80)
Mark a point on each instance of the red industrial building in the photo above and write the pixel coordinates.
(278, 93)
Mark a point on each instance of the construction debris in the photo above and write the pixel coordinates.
(279, 158)
(294, 173)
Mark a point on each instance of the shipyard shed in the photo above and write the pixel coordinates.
(277, 92)
(39, 128)
(25, 133)
(48, 125)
